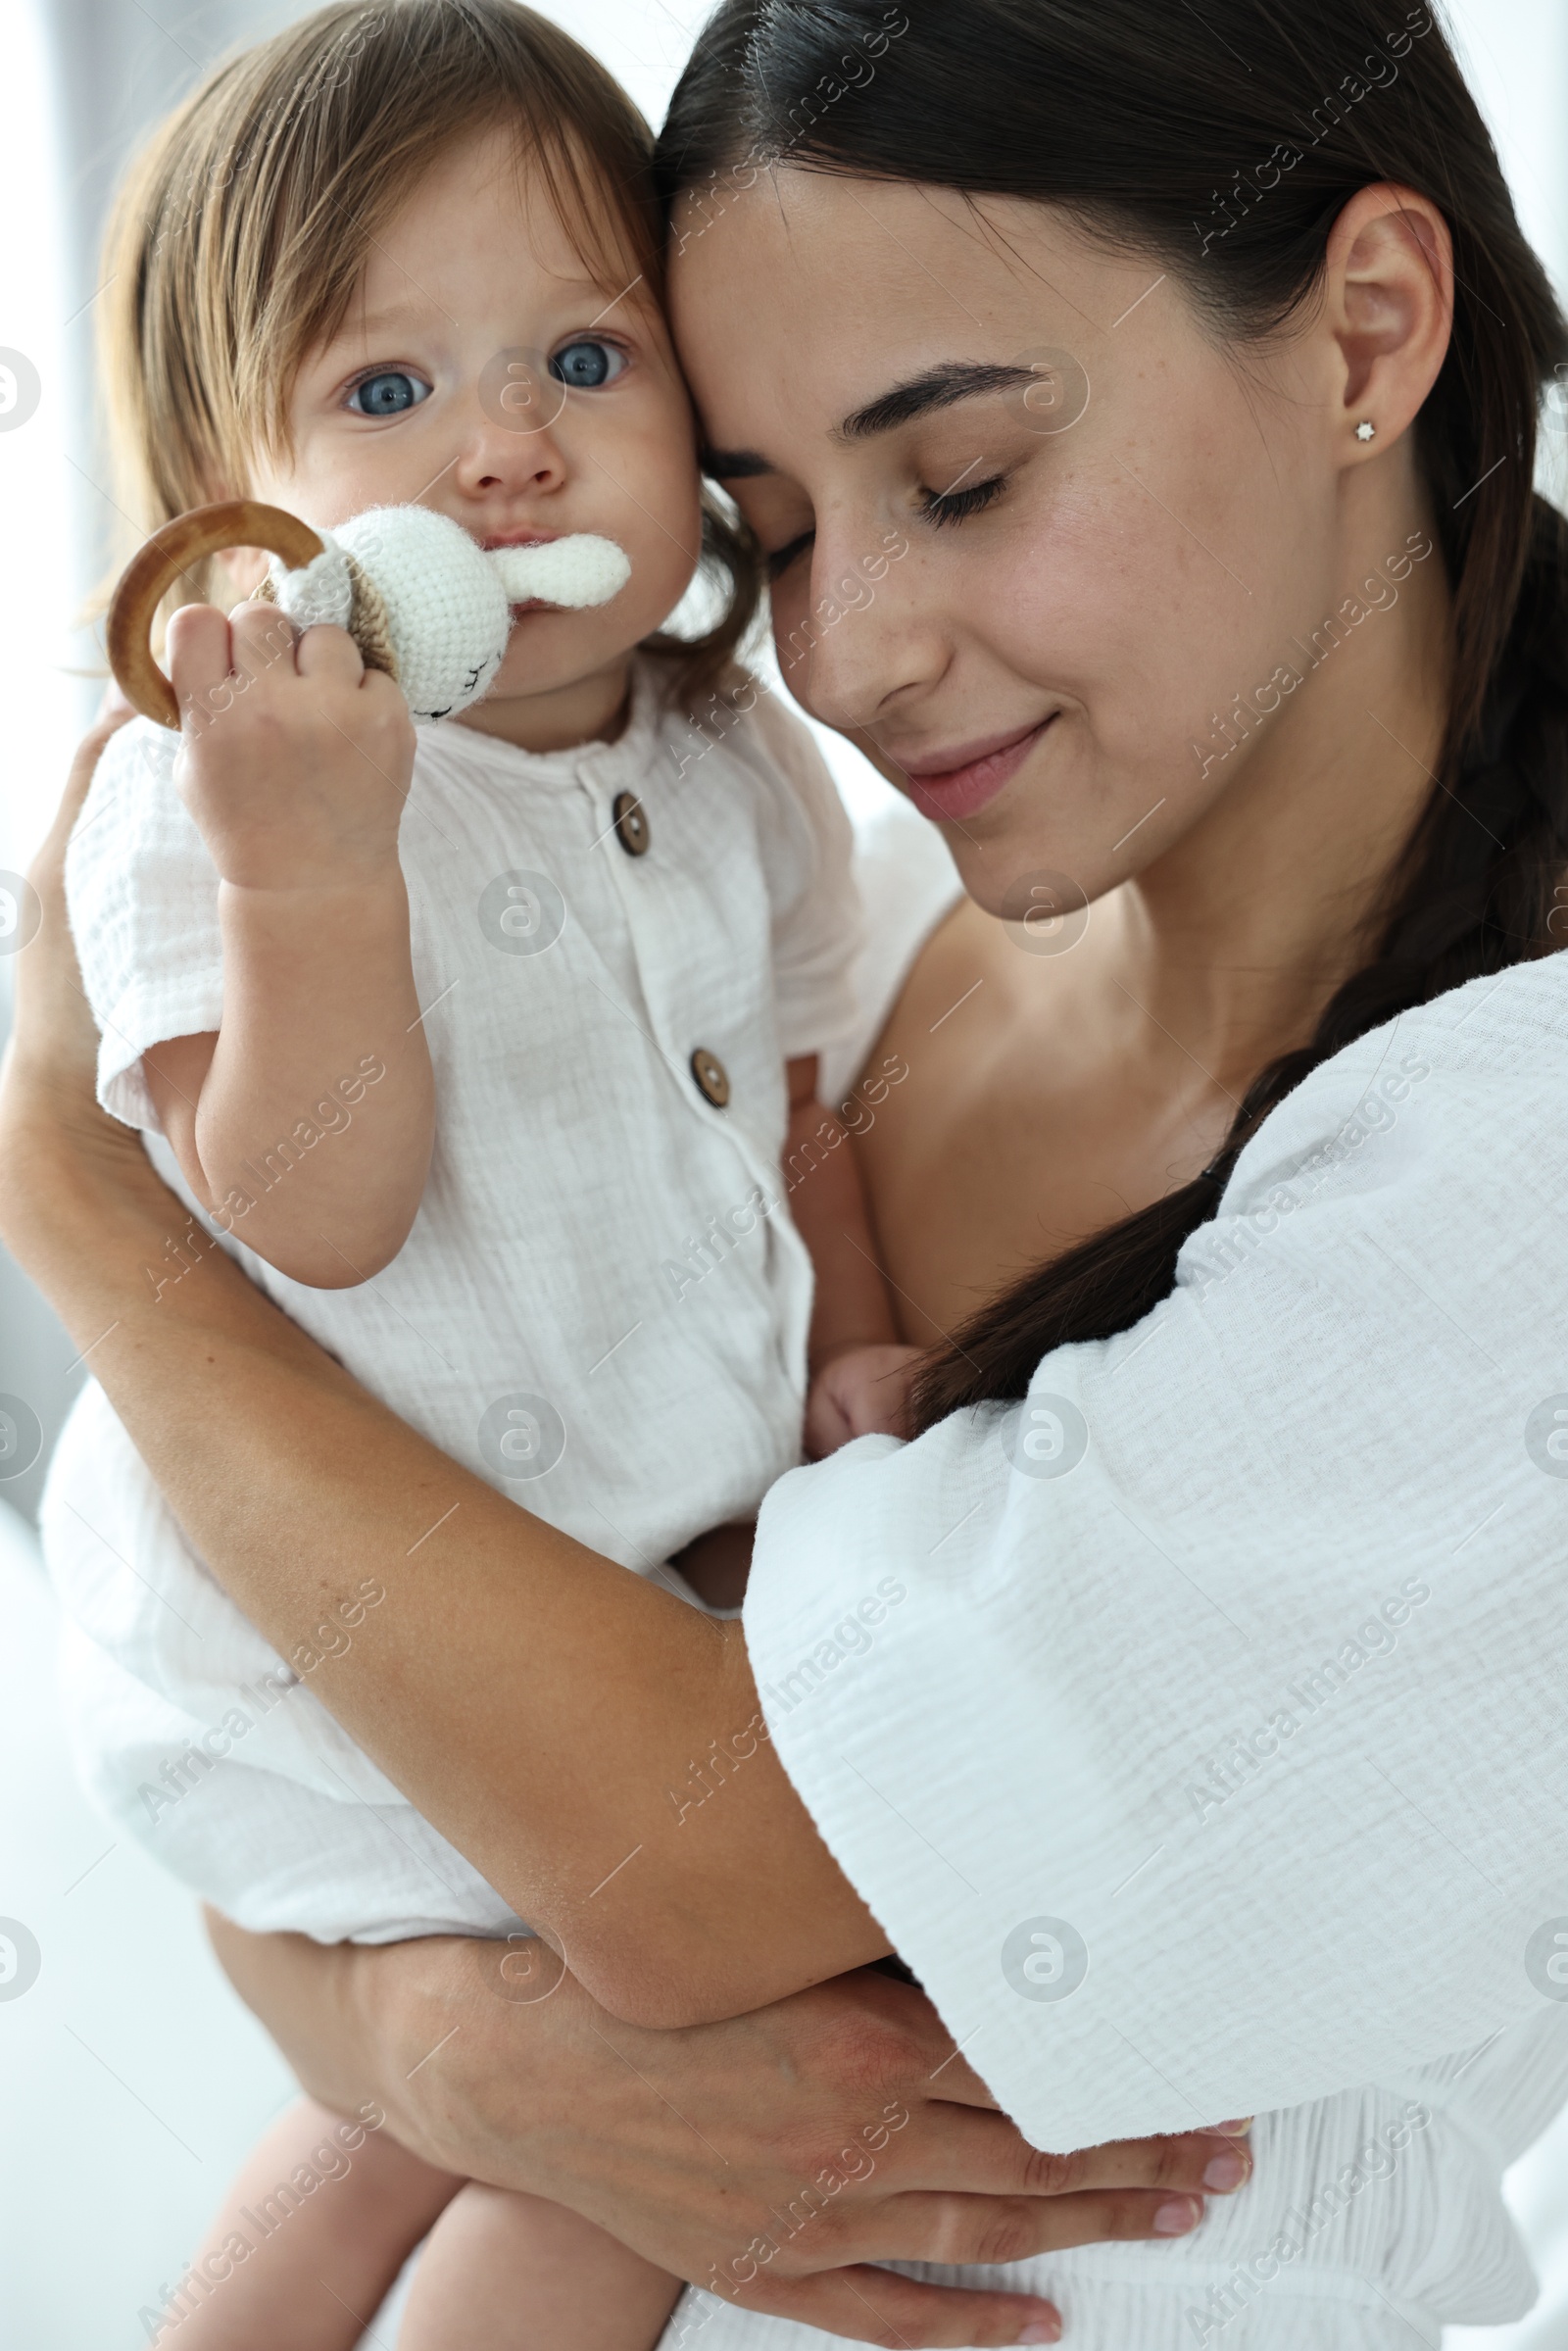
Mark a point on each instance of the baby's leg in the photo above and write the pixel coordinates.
(308, 2265)
(511, 2272)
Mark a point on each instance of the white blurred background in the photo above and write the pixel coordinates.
(129, 2079)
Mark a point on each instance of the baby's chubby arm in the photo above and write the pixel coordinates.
(295, 763)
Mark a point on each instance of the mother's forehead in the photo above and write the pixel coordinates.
(848, 308)
(831, 233)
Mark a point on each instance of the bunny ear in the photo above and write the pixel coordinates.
(320, 590)
(578, 571)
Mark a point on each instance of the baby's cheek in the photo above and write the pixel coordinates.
(649, 489)
(666, 542)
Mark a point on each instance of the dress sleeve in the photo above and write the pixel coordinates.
(1195, 1728)
(142, 893)
(808, 852)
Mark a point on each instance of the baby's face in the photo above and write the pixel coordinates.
(479, 372)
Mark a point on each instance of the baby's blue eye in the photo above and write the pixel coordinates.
(388, 394)
(587, 365)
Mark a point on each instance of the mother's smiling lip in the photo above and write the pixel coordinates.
(956, 783)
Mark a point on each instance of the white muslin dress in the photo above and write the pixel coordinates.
(1199, 1730)
(603, 1305)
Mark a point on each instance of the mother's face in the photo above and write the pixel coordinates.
(1031, 529)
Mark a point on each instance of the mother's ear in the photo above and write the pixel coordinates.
(1388, 307)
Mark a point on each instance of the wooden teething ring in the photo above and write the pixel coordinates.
(152, 570)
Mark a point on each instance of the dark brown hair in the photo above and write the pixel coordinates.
(241, 231)
(1225, 142)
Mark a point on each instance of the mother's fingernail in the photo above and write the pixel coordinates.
(1177, 2216)
(1236, 2128)
(1042, 2331)
(1225, 2173)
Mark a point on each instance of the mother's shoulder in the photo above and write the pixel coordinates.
(1500, 1021)
(1476, 1078)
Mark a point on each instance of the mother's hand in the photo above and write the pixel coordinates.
(49, 1115)
(769, 2158)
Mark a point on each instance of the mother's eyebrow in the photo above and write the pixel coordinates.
(938, 387)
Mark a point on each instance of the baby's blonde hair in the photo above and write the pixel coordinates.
(241, 234)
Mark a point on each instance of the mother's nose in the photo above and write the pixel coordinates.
(864, 634)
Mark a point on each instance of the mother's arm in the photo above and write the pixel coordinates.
(771, 2158)
(542, 1707)
(693, 2145)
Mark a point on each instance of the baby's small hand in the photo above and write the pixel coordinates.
(861, 1392)
(294, 760)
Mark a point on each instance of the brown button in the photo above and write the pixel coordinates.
(712, 1078)
(632, 824)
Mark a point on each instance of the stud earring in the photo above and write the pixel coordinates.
(1366, 430)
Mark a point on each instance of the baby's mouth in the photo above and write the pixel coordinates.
(523, 538)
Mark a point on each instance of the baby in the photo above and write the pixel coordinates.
(485, 1046)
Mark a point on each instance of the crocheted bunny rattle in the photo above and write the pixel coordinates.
(419, 598)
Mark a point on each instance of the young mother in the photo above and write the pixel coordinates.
(1208, 1755)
